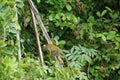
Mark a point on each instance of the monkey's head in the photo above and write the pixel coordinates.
(44, 47)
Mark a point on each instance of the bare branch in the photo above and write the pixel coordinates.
(40, 22)
(37, 37)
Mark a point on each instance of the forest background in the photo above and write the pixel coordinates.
(88, 32)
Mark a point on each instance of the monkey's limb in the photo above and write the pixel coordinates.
(49, 55)
(66, 61)
(57, 58)
(60, 60)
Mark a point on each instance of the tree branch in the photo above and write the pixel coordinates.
(37, 37)
(35, 11)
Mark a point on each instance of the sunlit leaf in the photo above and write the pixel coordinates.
(38, 1)
(103, 12)
(98, 14)
(108, 9)
(68, 7)
(103, 38)
(51, 17)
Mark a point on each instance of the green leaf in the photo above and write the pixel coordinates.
(115, 16)
(88, 59)
(98, 35)
(71, 26)
(108, 9)
(51, 17)
(91, 19)
(103, 12)
(103, 38)
(8, 52)
(68, 7)
(58, 15)
(75, 20)
(20, 5)
(75, 58)
(112, 32)
(28, 19)
(38, 1)
(62, 42)
(98, 14)
(63, 17)
(14, 25)
(111, 35)
(118, 39)
(2, 43)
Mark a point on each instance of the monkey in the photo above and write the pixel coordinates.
(56, 52)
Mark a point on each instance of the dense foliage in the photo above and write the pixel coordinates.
(87, 31)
